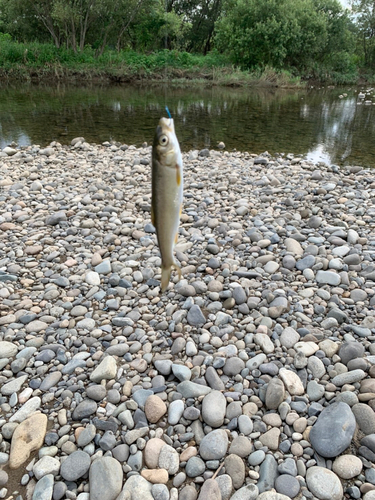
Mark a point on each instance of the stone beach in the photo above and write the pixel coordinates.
(251, 378)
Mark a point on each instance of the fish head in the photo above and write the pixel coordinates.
(165, 147)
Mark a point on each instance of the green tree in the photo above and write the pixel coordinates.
(200, 17)
(281, 33)
(364, 11)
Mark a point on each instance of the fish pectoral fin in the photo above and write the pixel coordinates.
(152, 217)
(176, 238)
(180, 210)
(178, 174)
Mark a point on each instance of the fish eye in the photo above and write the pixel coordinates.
(163, 140)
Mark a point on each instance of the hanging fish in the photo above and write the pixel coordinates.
(167, 188)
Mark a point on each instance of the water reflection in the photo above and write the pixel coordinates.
(317, 124)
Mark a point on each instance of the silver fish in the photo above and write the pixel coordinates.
(167, 192)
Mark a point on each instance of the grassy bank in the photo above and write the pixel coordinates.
(37, 61)
(45, 61)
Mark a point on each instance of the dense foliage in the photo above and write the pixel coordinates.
(313, 38)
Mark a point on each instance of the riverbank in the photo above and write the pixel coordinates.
(228, 384)
(225, 76)
(44, 62)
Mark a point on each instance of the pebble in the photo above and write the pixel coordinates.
(287, 485)
(275, 394)
(365, 418)
(324, 484)
(260, 358)
(347, 466)
(155, 408)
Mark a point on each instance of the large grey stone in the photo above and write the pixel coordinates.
(214, 445)
(44, 488)
(267, 474)
(333, 431)
(105, 479)
(214, 405)
(75, 465)
(351, 350)
(195, 316)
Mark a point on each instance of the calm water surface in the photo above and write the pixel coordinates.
(317, 124)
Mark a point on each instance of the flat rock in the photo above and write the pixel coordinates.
(328, 277)
(190, 389)
(348, 377)
(44, 488)
(152, 452)
(7, 349)
(27, 437)
(289, 337)
(292, 382)
(106, 370)
(26, 409)
(13, 386)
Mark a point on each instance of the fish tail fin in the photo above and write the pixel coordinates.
(166, 275)
(178, 269)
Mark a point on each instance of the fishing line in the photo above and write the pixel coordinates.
(165, 54)
(168, 113)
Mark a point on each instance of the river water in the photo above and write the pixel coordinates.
(331, 125)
